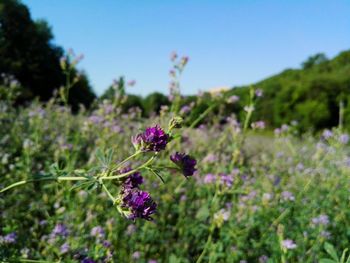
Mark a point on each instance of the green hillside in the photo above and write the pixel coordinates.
(310, 95)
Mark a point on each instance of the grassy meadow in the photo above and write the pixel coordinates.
(256, 195)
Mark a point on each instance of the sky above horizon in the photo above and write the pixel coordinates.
(229, 43)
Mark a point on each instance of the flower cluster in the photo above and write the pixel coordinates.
(139, 203)
(154, 139)
(135, 202)
(185, 162)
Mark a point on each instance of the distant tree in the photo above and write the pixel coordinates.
(314, 60)
(153, 102)
(27, 53)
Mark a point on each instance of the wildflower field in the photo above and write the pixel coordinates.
(110, 186)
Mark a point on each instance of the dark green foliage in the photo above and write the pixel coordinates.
(27, 54)
(314, 60)
(153, 102)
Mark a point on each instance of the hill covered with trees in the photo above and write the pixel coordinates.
(312, 95)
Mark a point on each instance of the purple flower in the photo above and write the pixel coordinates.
(152, 261)
(106, 243)
(60, 230)
(263, 259)
(185, 162)
(288, 244)
(287, 196)
(131, 83)
(185, 109)
(136, 255)
(327, 134)
(96, 119)
(97, 232)
(325, 234)
(88, 260)
(232, 99)
(258, 125)
(320, 220)
(133, 180)
(140, 204)
(173, 56)
(277, 131)
(154, 139)
(10, 238)
(65, 248)
(209, 178)
(258, 92)
(223, 214)
(226, 179)
(344, 138)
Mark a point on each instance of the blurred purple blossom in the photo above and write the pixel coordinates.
(327, 134)
(209, 178)
(289, 244)
(60, 230)
(287, 196)
(97, 232)
(259, 93)
(10, 238)
(185, 162)
(320, 220)
(136, 255)
(226, 179)
(64, 248)
(344, 138)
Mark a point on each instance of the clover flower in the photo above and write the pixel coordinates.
(258, 125)
(209, 178)
(154, 139)
(60, 230)
(344, 138)
(232, 99)
(97, 232)
(136, 255)
(226, 179)
(320, 220)
(64, 248)
(258, 92)
(263, 259)
(139, 203)
(106, 243)
(327, 134)
(185, 162)
(133, 180)
(288, 244)
(10, 238)
(287, 196)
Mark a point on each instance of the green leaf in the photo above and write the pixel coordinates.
(155, 172)
(327, 260)
(331, 251)
(342, 259)
(174, 259)
(202, 213)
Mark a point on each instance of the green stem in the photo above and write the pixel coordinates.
(203, 115)
(207, 243)
(60, 178)
(127, 159)
(108, 193)
(130, 172)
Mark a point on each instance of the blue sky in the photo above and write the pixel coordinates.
(229, 42)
